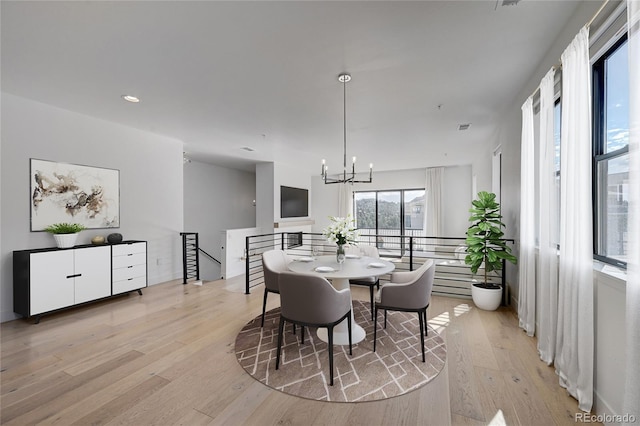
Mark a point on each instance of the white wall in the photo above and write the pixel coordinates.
(151, 204)
(215, 199)
(456, 201)
(456, 195)
(293, 177)
(234, 252)
(264, 196)
(610, 343)
(269, 178)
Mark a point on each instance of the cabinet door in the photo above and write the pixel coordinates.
(93, 273)
(52, 282)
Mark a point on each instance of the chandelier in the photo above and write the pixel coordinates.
(345, 177)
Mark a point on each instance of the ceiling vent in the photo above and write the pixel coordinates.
(510, 2)
(464, 126)
(248, 148)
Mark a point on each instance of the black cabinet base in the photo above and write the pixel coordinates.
(38, 316)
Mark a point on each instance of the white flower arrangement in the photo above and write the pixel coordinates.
(341, 231)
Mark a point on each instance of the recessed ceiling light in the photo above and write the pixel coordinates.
(464, 126)
(130, 98)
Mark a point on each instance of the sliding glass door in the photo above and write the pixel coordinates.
(382, 216)
(389, 221)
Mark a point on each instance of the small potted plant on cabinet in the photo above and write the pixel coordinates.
(65, 234)
(487, 249)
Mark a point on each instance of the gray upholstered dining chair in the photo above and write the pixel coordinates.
(274, 262)
(371, 282)
(311, 301)
(408, 291)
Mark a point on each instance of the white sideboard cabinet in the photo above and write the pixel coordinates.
(45, 280)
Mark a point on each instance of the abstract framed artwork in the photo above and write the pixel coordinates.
(62, 192)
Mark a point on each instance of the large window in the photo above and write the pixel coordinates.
(611, 154)
(381, 216)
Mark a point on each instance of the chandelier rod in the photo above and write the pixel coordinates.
(344, 79)
(344, 126)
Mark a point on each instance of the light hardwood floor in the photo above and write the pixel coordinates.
(167, 358)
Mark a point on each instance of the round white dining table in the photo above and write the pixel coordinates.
(339, 275)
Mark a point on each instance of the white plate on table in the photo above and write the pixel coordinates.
(352, 256)
(305, 259)
(376, 265)
(324, 269)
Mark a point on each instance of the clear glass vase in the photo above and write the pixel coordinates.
(340, 254)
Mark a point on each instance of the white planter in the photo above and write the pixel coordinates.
(65, 240)
(486, 298)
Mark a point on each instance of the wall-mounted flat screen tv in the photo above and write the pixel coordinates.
(294, 202)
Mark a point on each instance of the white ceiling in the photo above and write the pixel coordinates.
(220, 76)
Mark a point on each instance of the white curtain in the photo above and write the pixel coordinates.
(631, 404)
(527, 260)
(547, 267)
(575, 336)
(344, 199)
(433, 187)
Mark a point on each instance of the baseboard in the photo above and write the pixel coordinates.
(163, 278)
(602, 409)
(6, 316)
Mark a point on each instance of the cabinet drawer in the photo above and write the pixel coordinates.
(129, 272)
(128, 285)
(129, 260)
(124, 249)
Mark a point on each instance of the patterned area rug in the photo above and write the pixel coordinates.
(394, 369)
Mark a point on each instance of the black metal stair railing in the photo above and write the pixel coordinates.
(190, 258)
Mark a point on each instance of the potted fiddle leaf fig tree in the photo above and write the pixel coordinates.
(65, 234)
(486, 249)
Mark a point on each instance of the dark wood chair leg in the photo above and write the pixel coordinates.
(330, 333)
(371, 298)
(424, 315)
(280, 331)
(385, 319)
(421, 333)
(375, 326)
(264, 306)
(302, 334)
(349, 330)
